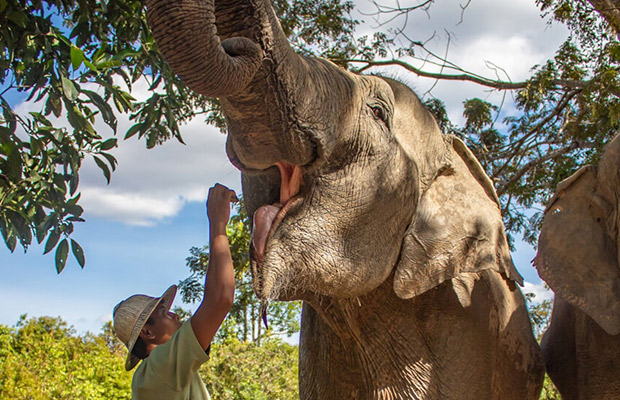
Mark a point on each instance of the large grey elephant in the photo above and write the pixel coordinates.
(578, 258)
(389, 231)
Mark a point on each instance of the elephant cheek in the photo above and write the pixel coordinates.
(315, 260)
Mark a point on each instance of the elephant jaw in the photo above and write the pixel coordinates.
(268, 217)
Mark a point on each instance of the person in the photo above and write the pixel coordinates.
(171, 351)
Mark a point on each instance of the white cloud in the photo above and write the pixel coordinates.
(511, 35)
(149, 186)
(130, 208)
(541, 293)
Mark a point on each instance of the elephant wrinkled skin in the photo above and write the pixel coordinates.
(389, 231)
(578, 258)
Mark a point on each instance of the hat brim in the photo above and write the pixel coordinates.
(168, 298)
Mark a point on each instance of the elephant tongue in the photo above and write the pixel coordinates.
(265, 216)
(263, 219)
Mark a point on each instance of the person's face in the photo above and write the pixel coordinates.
(161, 325)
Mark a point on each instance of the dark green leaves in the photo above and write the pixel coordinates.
(78, 253)
(104, 168)
(77, 61)
(52, 240)
(61, 255)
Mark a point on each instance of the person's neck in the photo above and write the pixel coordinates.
(149, 348)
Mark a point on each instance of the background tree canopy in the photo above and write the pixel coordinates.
(42, 358)
(81, 58)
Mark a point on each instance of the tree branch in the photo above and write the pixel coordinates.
(516, 147)
(467, 77)
(502, 85)
(503, 186)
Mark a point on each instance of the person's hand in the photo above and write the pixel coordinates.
(218, 207)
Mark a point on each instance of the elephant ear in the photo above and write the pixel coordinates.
(577, 248)
(457, 228)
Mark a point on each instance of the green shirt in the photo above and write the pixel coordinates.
(170, 372)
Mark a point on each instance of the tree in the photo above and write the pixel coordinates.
(248, 314)
(42, 358)
(240, 370)
(79, 59)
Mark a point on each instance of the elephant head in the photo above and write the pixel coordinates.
(348, 177)
(578, 245)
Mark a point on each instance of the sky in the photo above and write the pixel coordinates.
(140, 227)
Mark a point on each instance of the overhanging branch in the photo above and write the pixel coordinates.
(503, 186)
(466, 77)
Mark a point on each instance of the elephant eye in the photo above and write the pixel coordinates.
(379, 113)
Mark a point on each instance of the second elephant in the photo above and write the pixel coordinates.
(578, 258)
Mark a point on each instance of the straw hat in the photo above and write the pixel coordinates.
(131, 314)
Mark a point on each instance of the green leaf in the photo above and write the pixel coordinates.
(103, 106)
(62, 38)
(51, 241)
(77, 57)
(61, 255)
(104, 168)
(7, 234)
(108, 144)
(35, 146)
(15, 163)
(108, 64)
(123, 100)
(133, 130)
(20, 223)
(78, 253)
(18, 18)
(53, 104)
(69, 89)
(91, 66)
(111, 160)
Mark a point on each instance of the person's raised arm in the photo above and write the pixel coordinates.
(220, 281)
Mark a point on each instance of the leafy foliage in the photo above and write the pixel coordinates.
(244, 320)
(41, 358)
(79, 60)
(240, 370)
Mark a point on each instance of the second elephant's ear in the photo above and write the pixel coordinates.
(457, 228)
(577, 256)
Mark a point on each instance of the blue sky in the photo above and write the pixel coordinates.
(139, 229)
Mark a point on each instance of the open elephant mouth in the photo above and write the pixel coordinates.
(267, 218)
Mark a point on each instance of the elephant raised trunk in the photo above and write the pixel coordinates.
(237, 51)
(187, 36)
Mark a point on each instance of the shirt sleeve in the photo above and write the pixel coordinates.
(176, 361)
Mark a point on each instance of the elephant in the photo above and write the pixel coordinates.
(578, 258)
(388, 230)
